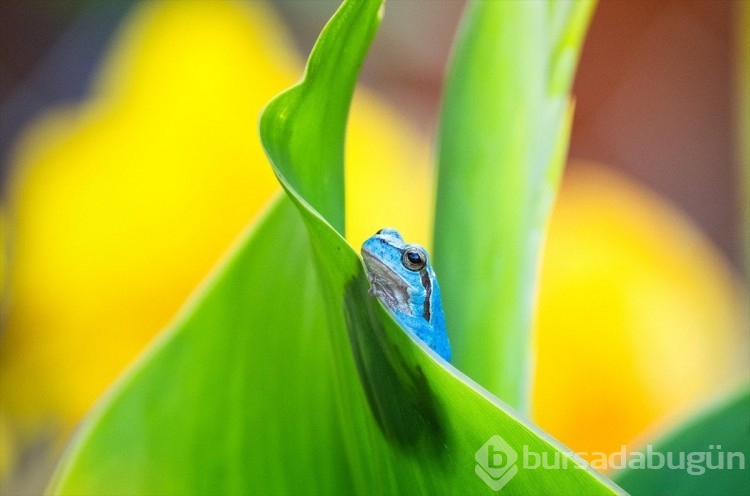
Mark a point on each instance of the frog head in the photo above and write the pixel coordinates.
(401, 276)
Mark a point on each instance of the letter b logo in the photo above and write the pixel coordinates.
(496, 462)
(496, 458)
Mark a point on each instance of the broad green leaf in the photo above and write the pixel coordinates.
(283, 375)
(503, 139)
(420, 421)
(232, 398)
(701, 451)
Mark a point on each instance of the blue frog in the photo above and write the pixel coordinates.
(400, 275)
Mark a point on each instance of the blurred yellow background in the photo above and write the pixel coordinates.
(118, 207)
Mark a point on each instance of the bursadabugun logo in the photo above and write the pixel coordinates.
(496, 462)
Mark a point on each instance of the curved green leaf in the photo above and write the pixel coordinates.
(697, 449)
(284, 376)
(314, 153)
(228, 401)
(420, 421)
(503, 138)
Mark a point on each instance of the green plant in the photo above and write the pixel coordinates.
(283, 376)
(708, 453)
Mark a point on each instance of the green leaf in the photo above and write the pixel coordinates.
(420, 421)
(313, 154)
(707, 440)
(284, 376)
(503, 138)
(228, 401)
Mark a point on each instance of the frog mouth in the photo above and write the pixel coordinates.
(386, 284)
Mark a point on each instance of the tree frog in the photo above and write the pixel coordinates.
(400, 275)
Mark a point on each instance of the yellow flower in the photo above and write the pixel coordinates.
(122, 205)
(639, 317)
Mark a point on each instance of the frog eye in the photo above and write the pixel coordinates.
(414, 258)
